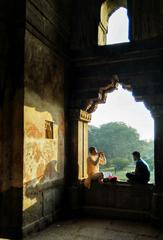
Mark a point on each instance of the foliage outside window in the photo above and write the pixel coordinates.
(118, 141)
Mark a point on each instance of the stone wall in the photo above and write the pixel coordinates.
(137, 64)
(12, 24)
(43, 127)
(86, 18)
(90, 21)
(145, 19)
(33, 102)
(46, 42)
(119, 200)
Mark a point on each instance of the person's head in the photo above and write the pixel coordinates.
(136, 155)
(93, 150)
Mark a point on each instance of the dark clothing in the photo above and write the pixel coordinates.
(141, 174)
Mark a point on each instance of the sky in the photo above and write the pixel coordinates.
(120, 105)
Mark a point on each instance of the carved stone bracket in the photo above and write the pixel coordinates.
(88, 99)
(103, 91)
(79, 114)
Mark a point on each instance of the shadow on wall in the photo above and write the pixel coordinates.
(50, 173)
(43, 198)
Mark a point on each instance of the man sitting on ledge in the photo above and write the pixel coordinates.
(142, 172)
(93, 161)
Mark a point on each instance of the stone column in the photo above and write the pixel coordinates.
(79, 144)
(76, 168)
(157, 200)
(12, 34)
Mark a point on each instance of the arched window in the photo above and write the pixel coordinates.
(120, 127)
(117, 11)
(118, 27)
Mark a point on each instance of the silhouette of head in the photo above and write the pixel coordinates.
(93, 150)
(136, 155)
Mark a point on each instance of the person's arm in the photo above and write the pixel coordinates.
(138, 168)
(94, 162)
(102, 159)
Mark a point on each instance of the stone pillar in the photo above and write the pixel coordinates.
(12, 34)
(79, 144)
(157, 201)
(102, 32)
(76, 168)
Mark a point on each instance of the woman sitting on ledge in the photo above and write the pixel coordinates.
(142, 172)
(94, 159)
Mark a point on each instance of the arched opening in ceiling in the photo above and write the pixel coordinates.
(118, 27)
(113, 21)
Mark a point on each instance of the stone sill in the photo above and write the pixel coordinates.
(123, 184)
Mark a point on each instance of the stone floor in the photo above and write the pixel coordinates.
(98, 229)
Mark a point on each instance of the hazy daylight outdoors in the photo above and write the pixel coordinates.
(122, 125)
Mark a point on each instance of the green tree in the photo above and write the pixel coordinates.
(93, 136)
(118, 141)
(147, 153)
(120, 163)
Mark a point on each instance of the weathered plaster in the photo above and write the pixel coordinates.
(44, 101)
(38, 151)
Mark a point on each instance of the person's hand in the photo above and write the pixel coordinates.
(101, 154)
